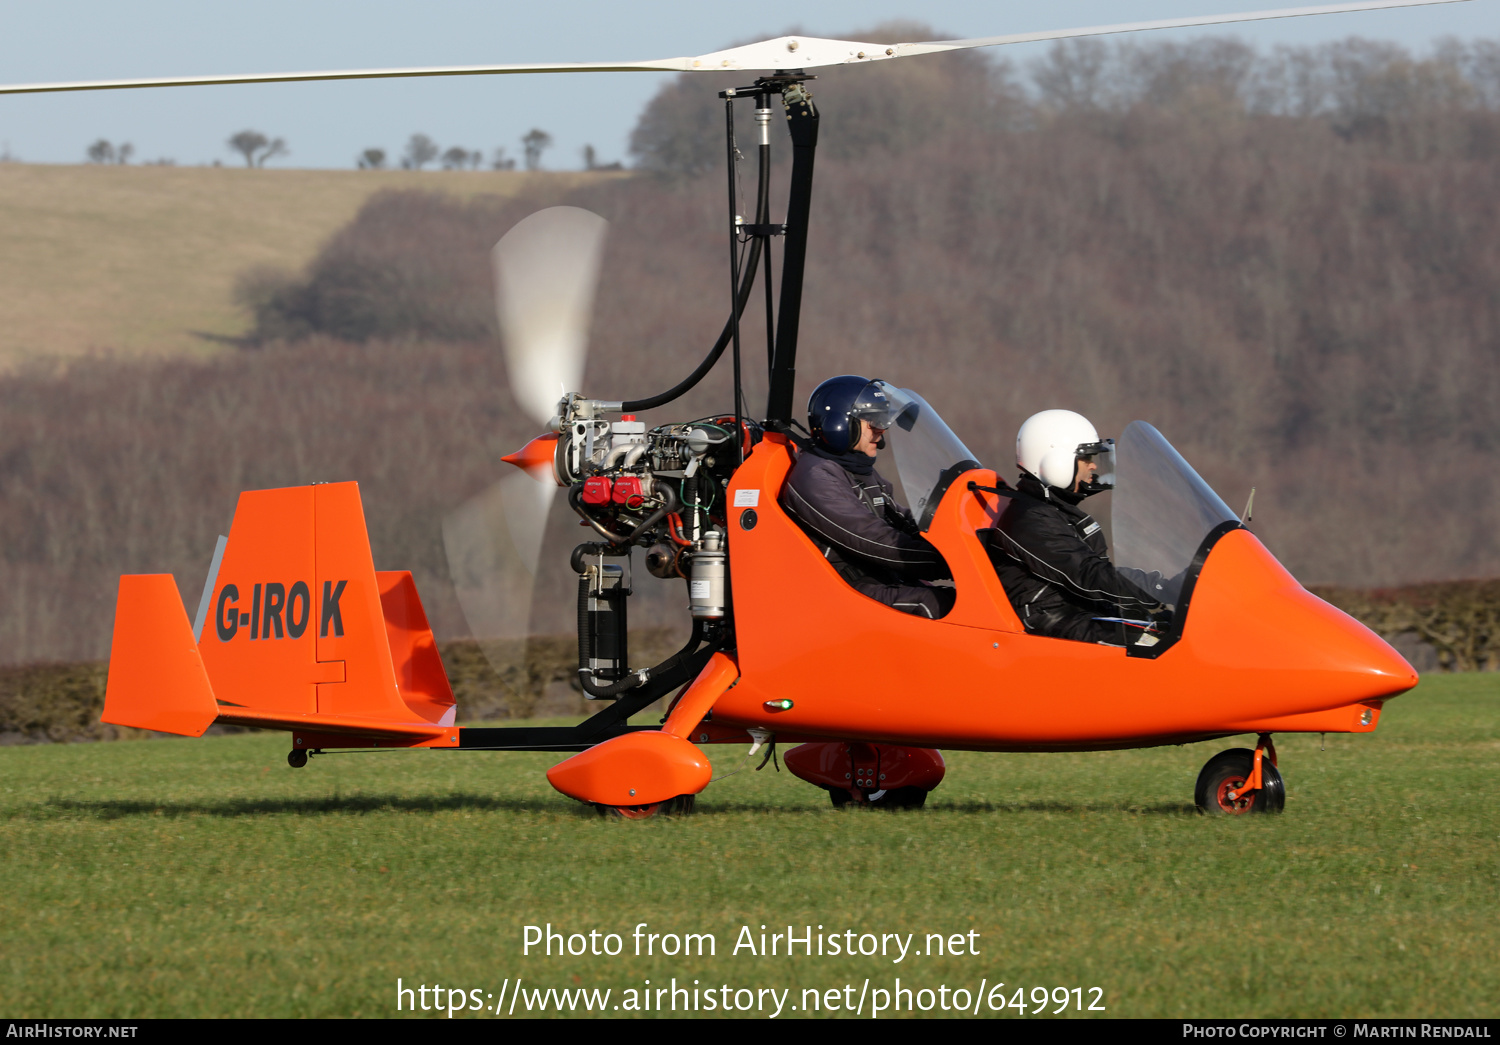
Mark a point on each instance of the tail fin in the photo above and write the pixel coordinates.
(156, 677)
(302, 634)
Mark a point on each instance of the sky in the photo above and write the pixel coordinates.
(327, 125)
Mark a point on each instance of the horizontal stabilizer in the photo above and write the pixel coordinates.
(156, 677)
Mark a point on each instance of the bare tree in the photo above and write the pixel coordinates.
(591, 161)
(247, 144)
(105, 152)
(534, 141)
(257, 148)
(502, 162)
(420, 151)
(276, 148)
(1074, 75)
(372, 160)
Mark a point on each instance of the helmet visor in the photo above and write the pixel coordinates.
(1102, 456)
(879, 404)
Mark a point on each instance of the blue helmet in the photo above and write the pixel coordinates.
(839, 405)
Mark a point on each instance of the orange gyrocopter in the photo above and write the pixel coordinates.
(297, 630)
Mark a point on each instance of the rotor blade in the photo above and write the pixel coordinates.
(669, 65)
(933, 46)
(546, 270)
(786, 52)
(806, 52)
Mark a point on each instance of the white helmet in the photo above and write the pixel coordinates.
(1050, 443)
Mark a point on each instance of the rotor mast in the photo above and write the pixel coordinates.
(802, 121)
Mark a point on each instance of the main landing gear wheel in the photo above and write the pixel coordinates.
(296, 758)
(1219, 790)
(679, 806)
(895, 798)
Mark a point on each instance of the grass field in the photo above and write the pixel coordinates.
(205, 878)
(143, 260)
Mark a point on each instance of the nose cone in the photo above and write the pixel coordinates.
(535, 458)
(1249, 615)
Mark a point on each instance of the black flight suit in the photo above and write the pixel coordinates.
(869, 537)
(1053, 563)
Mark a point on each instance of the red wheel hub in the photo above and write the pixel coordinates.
(639, 812)
(1241, 803)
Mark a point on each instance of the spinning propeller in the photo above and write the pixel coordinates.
(546, 271)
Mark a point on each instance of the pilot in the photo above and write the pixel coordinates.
(850, 511)
(1050, 554)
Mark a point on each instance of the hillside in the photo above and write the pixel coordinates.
(143, 260)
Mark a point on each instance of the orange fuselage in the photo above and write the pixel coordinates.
(1258, 653)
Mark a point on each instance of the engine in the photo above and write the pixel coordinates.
(661, 489)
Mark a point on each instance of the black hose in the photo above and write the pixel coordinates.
(747, 284)
(669, 504)
(576, 559)
(585, 646)
(635, 678)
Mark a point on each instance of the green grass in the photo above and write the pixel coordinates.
(205, 878)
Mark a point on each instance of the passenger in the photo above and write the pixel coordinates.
(1049, 553)
(851, 513)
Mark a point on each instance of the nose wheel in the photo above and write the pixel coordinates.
(679, 806)
(1241, 781)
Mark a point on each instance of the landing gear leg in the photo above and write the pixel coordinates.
(1240, 781)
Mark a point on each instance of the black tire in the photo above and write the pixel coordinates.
(1230, 768)
(682, 805)
(1274, 791)
(896, 798)
(296, 758)
(901, 798)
